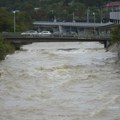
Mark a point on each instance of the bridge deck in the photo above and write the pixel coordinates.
(54, 39)
(30, 39)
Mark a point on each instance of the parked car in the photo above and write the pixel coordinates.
(30, 33)
(73, 34)
(45, 33)
(56, 34)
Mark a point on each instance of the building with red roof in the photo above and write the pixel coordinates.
(113, 5)
(114, 8)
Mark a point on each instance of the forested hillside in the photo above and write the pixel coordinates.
(62, 10)
(23, 4)
(48, 10)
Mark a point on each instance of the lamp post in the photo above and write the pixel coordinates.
(14, 19)
(55, 20)
(101, 14)
(94, 16)
(53, 17)
(94, 20)
(73, 17)
(88, 12)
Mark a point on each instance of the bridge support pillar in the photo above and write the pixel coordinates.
(106, 44)
(60, 29)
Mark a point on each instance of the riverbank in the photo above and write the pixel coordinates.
(5, 48)
(115, 48)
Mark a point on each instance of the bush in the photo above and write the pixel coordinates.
(9, 48)
(5, 48)
(115, 34)
(2, 51)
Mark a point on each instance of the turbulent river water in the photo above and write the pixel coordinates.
(60, 81)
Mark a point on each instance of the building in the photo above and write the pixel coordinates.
(81, 29)
(115, 17)
(114, 8)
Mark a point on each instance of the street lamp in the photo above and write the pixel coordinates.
(101, 14)
(55, 20)
(14, 20)
(94, 20)
(53, 17)
(73, 17)
(88, 13)
(94, 16)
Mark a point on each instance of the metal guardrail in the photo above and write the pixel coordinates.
(17, 38)
(79, 36)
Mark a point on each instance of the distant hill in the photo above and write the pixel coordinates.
(62, 10)
(23, 4)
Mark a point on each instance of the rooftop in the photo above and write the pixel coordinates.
(113, 4)
(74, 24)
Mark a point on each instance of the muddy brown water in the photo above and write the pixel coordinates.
(60, 81)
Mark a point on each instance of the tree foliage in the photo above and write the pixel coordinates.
(5, 48)
(115, 34)
(47, 10)
(2, 50)
(23, 21)
(5, 20)
(61, 9)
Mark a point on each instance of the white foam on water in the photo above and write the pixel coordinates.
(60, 81)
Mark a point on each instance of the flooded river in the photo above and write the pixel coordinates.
(60, 81)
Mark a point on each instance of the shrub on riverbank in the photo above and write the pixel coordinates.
(5, 48)
(115, 34)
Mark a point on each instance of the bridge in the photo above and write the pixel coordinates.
(23, 40)
(85, 32)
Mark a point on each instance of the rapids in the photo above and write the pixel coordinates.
(60, 81)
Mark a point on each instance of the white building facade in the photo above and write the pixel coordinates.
(115, 17)
(114, 8)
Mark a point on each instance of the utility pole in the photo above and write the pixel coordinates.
(73, 17)
(14, 19)
(94, 20)
(101, 14)
(88, 13)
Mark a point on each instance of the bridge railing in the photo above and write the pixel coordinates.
(79, 36)
(11, 34)
(100, 36)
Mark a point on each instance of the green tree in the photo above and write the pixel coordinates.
(115, 34)
(2, 49)
(5, 48)
(5, 20)
(23, 21)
